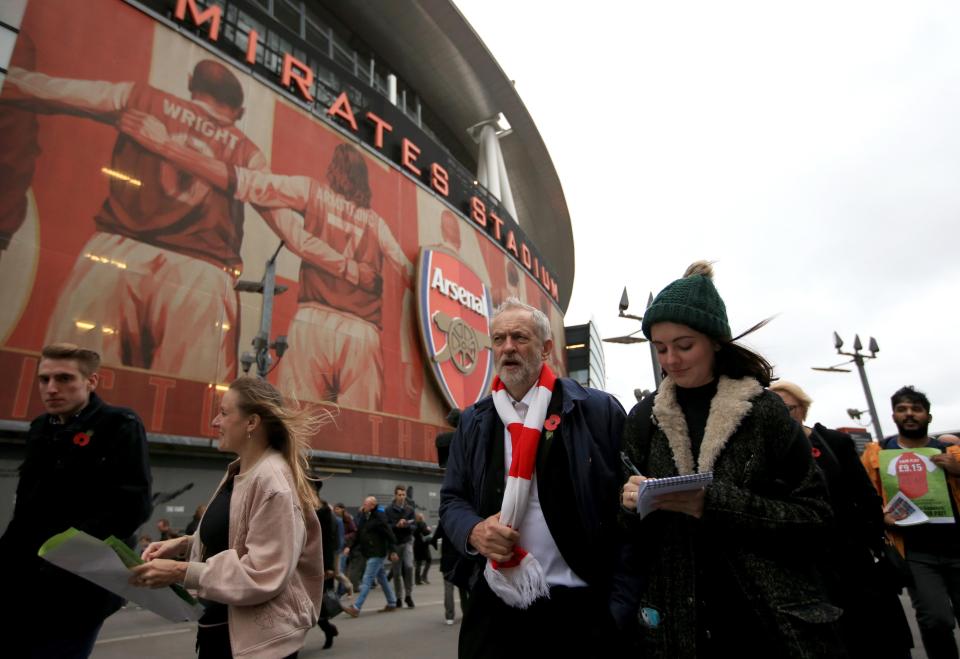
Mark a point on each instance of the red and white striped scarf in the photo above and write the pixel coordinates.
(520, 581)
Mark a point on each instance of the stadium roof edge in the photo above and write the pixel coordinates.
(458, 78)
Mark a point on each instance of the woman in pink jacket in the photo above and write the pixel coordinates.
(255, 559)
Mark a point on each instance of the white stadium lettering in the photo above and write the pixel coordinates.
(456, 292)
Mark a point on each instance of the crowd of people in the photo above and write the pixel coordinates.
(775, 539)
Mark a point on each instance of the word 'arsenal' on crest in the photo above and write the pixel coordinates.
(457, 292)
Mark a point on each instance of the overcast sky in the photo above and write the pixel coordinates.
(810, 149)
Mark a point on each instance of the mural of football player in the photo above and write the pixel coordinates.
(18, 155)
(335, 352)
(153, 287)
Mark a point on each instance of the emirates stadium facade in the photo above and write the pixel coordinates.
(334, 194)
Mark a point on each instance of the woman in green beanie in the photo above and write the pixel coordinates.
(721, 570)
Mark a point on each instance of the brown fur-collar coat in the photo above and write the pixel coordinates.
(762, 516)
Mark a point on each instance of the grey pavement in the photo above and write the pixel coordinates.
(418, 633)
(415, 633)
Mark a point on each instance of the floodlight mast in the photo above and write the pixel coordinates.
(857, 358)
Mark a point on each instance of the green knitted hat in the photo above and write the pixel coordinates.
(692, 301)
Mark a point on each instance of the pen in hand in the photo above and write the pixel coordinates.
(629, 465)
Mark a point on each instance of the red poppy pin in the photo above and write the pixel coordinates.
(815, 451)
(82, 438)
(552, 422)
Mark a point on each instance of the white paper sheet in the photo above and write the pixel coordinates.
(88, 557)
(901, 505)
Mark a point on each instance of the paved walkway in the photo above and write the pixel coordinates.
(418, 633)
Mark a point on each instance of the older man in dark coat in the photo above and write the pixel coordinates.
(569, 522)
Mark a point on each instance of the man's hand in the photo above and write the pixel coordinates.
(402, 524)
(145, 129)
(493, 540)
(891, 518)
(688, 503)
(948, 462)
(158, 573)
(346, 551)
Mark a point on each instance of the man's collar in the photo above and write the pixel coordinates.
(527, 397)
(93, 402)
(898, 439)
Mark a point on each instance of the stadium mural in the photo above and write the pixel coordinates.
(142, 176)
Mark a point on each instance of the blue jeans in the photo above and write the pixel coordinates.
(374, 570)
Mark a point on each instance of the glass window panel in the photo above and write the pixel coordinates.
(288, 16)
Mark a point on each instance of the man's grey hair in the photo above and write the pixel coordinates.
(540, 321)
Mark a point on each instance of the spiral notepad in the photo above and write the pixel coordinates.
(654, 487)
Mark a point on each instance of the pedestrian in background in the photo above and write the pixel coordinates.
(449, 556)
(328, 535)
(421, 549)
(167, 532)
(376, 541)
(86, 467)
(931, 551)
(724, 570)
(256, 556)
(853, 561)
(346, 532)
(402, 519)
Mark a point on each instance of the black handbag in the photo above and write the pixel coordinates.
(892, 569)
(330, 607)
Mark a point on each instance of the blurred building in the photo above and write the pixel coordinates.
(585, 355)
(419, 195)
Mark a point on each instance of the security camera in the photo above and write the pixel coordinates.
(246, 361)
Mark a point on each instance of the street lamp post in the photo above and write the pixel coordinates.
(633, 338)
(261, 342)
(857, 358)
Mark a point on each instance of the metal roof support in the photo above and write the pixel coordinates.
(491, 168)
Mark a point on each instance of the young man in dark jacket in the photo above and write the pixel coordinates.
(375, 540)
(402, 520)
(86, 467)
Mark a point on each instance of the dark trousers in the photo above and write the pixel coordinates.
(403, 571)
(61, 644)
(422, 567)
(214, 643)
(936, 599)
(573, 622)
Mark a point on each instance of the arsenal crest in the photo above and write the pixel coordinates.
(454, 309)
